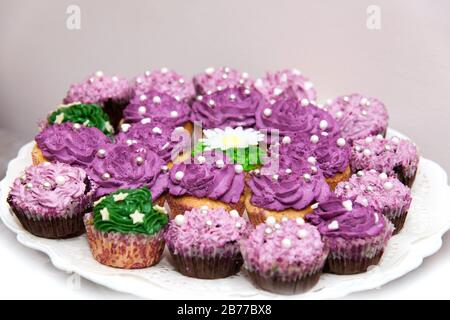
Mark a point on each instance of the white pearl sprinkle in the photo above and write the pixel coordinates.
(146, 121)
(220, 164)
(367, 152)
(234, 213)
(60, 180)
(139, 160)
(387, 147)
(284, 219)
(307, 177)
(209, 70)
(348, 205)
(369, 188)
(346, 99)
(29, 185)
(388, 185)
(247, 91)
(219, 88)
(238, 168)
(314, 138)
(142, 97)
(211, 103)
(101, 153)
(277, 91)
(238, 225)
(383, 176)
(232, 97)
(304, 102)
(181, 80)
(267, 112)
(164, 168)
(364, 113)
(156, 99)
(77, 126)
(323, 124)
(312, 160)
(106, 176)
(275, 177)
(271, 221)
(395, 140)
(268, 230)
(142, 109)
(364, 202)
(314, 169)
(157, 130)
(179, 175)
(209, 223)
(340, 142)
(125, 127)
(286, 140)
(201, 159)
(358, 148)
(308, 85)
(301, 234)
(164, 70)
(180, 220)
(300, 221)
(199, 98)
(47, 185)
(174, 114)
(363, 101)
(277, 226)
(315, 206)
(99, 73)
(138, 80)
(286, 243)
(288, 171)
(360, 173)
(339, 114)
(115, 79)
(368, 140)
(333, 225)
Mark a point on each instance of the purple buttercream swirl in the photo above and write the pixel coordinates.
(218, 79)
(293, 187)
(71, 143)
(294, 247)
(98, 89)
(165, 81)
(215, 178)
(231, 107)
(289, 116)
(157, 107)
(359, 116)
(127, 167)
(334, 219)
(292, 81)
(50, 189)
(206, 233)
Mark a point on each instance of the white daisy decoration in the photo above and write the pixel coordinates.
(231, 138)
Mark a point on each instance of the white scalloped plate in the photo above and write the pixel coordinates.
(428, 220)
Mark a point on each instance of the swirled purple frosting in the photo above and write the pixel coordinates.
(289, 116)
(359, 116)
(193, 236)
(165, 81)
(50, 189)
(334, 219)
(98, 89)
(155, 137)
(213, 177)
(231, 107)
(276, 83)
(218, 79)
(289, 188)
(329, 154)
(132, 166)
(384, 155)
(157, 107)
(71, 143)
(377, 190)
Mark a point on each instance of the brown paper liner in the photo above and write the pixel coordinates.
(215, 267)
(347, 266)
(344, 176)
(398, 222)
(37, 156)
(405, 176)
(280, 286)
(181, 204)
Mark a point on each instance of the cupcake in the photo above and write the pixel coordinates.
(158, 108)
(383, 193)
(282, 191)
(125, 230)
(276, 83)
(205, 243)
(289, 117)
(120, 166)
(112, 93)
(242, 146)
(285, 258)
(393, 156)
(230, 107)
(206, 181)
(70, 143)
(356, 235)
(221, 78)
(50, 200)
(89, 115)
(330, 154)
(359, 116)
(165, 81)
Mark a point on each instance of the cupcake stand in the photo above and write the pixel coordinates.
(428, 220)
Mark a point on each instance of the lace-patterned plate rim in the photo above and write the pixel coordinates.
(422, 236)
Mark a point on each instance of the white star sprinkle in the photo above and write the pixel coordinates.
(105, 214)
(120, 196)
(137, 217)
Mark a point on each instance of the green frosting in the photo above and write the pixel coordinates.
(250, 158)
(129, 211)
(90, 115)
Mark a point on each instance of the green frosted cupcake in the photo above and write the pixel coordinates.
(89, 115)
(125, 230)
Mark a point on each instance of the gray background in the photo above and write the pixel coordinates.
(406, 63)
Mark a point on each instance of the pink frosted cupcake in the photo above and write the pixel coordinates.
(383, 193)
(356, 235)
(112, 93)
(51, 199)
(221, 78)
(276, 83)
(165, 81)
(393, 156)
(359, 116)
(285, 258)
(205, 243)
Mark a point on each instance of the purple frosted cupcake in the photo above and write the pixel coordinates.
(383, 193)
(359, 116)
(392, 156)
(50, 200)
(356, 235)
(285, 258)
(70, 143)
(205, 243)
(112, 93)
(156, 107)
(165, 81)
(290, 117)
(119, 166)
(231, 107)
(292, 81)
(218, 79)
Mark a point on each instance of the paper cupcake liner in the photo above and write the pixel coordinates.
(397, 217)
(355, 256)
(125, 251)
(406, 174)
